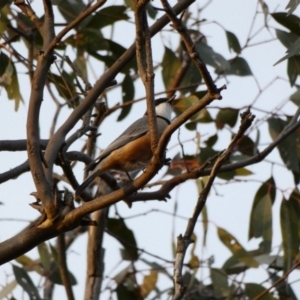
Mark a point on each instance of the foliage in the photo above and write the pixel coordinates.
(60, 66)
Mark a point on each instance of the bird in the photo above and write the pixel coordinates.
(131, 151)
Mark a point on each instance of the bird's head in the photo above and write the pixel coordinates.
(164, 107)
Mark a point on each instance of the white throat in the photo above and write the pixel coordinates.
(164, 110)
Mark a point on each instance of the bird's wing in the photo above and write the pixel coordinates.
(133, 132)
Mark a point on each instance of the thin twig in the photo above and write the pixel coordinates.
(184, 241)
(74, 23)
(282, 278)
(190, 46)
(63, 268)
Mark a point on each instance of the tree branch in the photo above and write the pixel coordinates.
(145, 65)
(195, 56)
(30, 13)
(43, 186)
(63, 268)
(184, 242)
(282, 278)
(19, 145)
(95, 256)
(74, 23)
(14, 172)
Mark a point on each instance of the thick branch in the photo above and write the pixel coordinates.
(48, 33)
(145, 65)
(14, 172)
(43, 186)
(18, 145)
(95, 255)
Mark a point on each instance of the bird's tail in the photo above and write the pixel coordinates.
(85, 184)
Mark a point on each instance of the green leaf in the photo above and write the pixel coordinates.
(55, 276)
(239, 67)
(233, 42)
(289, 231)
(293, 50)
(288, 148)
(4, 61)
(243, 172)
(294, 202)
(219, 282)
(191, 79)
(295, 97)
(183, 104)
(212, 58)
(227, 116)
(236, 248)
(25, 282)
(291, 22)
(170, 66)
(149, 283)
(5, 23)
(261, 212)
(246, 146)
(108, 16)
(9, 79)
(204, 215)
(206, 153)
(70, 9)
(292, 5)
(114, 51)
(80, 64)
(293, 69)
(130, 3)
(152, 13)
(157, 267)
(233, 266)
(128, 95)
(286, 38)
(88, 39)
(28, 263)
(118, 229)
(54, 253)
(263, 226)
(228, 175)
(64, 84)
(44, 256)
(125, 293)
(252, 290)
(211, 140)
